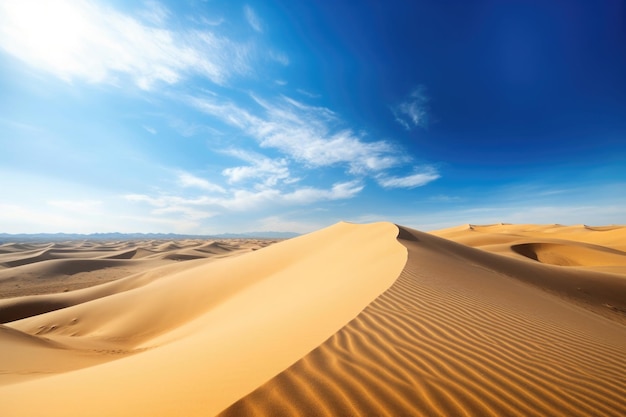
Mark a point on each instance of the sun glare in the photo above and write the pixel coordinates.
(51, 33)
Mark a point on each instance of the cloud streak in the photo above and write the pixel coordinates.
(253, 20)
(306, 134)
(242, 199)
(410, 181)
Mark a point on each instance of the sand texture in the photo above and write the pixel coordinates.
(367, 320)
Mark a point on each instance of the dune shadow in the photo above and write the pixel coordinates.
(406, 234)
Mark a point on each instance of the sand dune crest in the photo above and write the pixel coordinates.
(207, 335)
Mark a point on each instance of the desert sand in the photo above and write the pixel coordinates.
(369, 320)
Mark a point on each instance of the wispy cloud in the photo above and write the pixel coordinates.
(269, 171)
(243, 199)
(305, 133)
(95, 43)
(338, 191)
(413, 112)
(253, 19)
(187, 180)
(410, 181)
(203, 20)
(300, 154)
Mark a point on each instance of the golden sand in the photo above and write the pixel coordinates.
(350, 320)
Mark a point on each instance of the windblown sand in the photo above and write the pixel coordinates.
(369, 320)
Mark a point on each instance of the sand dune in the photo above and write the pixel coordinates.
(350, 320)
(44, 268)
(480, 235)
(197, 339)
(587, 265)
(571, 255)
(453, 336)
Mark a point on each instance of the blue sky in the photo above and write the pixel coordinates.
(226, 116)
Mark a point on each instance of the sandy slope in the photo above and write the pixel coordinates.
(455, 336)
(194, 341)
(586, 265)
(350, 320)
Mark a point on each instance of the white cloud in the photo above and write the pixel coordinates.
(270, 171)
(253, 19)
(228, 112)
(83, 40)
(304, 133)
(242, 200)
(413, 112)
(186, 179)
(339, 191)
(410, 181)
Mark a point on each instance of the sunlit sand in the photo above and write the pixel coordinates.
(364, 320)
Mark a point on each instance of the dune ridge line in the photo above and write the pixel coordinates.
(205, 336)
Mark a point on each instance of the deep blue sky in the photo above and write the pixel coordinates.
(226, 116)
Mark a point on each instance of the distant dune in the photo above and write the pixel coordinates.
(31, 268)
(378, 319)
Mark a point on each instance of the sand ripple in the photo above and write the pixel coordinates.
(450, 338)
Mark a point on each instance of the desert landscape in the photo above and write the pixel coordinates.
(291, 208)
(354, 319)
